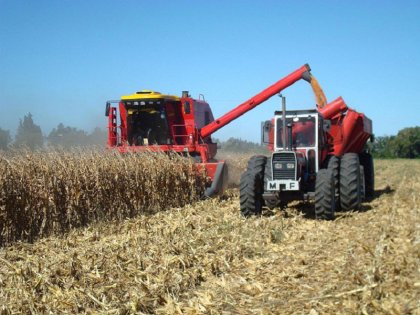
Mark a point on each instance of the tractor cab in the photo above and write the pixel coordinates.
(297, 143)
(299, 128)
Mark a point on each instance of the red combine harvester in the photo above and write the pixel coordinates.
(150, 121)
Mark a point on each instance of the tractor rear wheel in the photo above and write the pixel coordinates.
(350, 186)
(334, 166)
(325, 195)
(252, 187)
(366, 161)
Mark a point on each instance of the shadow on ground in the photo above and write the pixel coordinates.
(308, 211)
(387, 190)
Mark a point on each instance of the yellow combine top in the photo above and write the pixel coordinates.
(148, 94)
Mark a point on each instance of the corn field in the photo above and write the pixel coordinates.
(204, 258)
(45, 193)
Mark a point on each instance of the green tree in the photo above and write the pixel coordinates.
(243, 146)
(380, 148)
(29, 134)
(406, 144)
(5, 139)
(67, 137)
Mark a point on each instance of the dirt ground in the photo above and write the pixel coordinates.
(206, 259)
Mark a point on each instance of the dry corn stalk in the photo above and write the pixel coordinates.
(50, 192)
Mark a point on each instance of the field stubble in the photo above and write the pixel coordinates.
(205, 258)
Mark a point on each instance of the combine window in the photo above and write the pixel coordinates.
(146, 123)
(206, 118)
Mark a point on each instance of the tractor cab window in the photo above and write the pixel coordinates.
(146, 123)
(303, 131)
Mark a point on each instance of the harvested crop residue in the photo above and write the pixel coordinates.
(205, 258)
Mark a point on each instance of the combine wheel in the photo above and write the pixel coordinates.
(350, 186)
(252, 187)
(325, 195)
(268, 176)
(366, 161)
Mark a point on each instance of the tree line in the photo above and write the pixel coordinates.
(30, 135)
(406, 144)
(242, 146)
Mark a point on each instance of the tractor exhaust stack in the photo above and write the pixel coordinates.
(283, 108)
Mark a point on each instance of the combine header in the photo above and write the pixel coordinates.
(151, 121)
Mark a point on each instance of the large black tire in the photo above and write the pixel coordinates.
(252, 186)
(350, 186)
(325, 195)
(268, 176)
(362, 183)
(334, 166)
(257, 164)
(366, 161)
(251, 189)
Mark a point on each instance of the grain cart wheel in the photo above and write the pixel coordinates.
(362, 183)
(366, 161)
(251, 187)
(268, 176)
(325, 195)
(350, 188)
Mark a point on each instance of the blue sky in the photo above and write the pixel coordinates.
(61, 60)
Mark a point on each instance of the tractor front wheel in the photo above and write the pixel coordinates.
(252, 187)
(257, 164)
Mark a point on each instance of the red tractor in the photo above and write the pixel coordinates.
(316, 154)
(151, 121)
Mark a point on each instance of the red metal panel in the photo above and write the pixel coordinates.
(350, 133)
(209, 168)
(112, 127)
(123, 125)
(356, 131)
(335, 107)
(191, 136)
